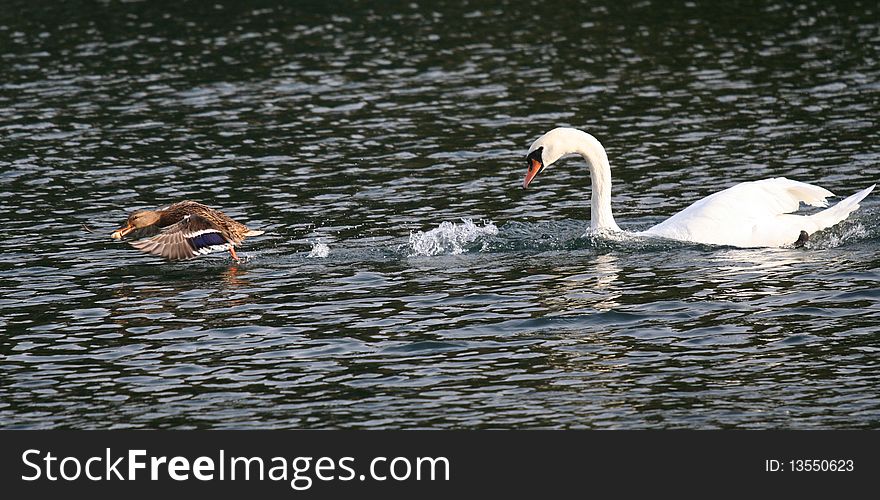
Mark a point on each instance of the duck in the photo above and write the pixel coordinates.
(751, 214)
(186, 229)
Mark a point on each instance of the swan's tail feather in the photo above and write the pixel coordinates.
(840, 211)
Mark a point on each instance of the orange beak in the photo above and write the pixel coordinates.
(119, 233)
(535, 166)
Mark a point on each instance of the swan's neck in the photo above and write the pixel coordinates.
(600, 174)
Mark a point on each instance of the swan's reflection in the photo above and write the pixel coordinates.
(607, 269)
(738, 275)
(594, 290)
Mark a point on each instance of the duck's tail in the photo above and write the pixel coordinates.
(253, 232)
(840, 211)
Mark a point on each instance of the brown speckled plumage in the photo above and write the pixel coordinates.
(188, 229)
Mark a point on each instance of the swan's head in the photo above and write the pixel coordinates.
(550, 147)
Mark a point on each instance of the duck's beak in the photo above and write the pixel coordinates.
(119, 233)
(535, 166)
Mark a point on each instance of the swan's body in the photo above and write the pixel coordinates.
(749, 214)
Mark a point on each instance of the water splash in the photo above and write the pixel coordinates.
(564, 235)
(837, 236)
(319, 250)
(567, 235)
(450, 238)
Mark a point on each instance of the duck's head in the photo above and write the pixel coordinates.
(548, 148)
(137, 220)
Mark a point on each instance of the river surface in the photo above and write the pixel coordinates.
(405, 279)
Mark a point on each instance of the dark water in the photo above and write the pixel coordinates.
(357, 136)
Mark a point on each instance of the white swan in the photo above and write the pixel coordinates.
(749, 214)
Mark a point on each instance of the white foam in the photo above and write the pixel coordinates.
(448, 238)
(836, 236)
(319, 250)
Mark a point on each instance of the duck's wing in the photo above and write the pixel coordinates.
(191, 237)
(144, 232)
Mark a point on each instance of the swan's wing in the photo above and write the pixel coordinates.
(750, 214)
(191, 237)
